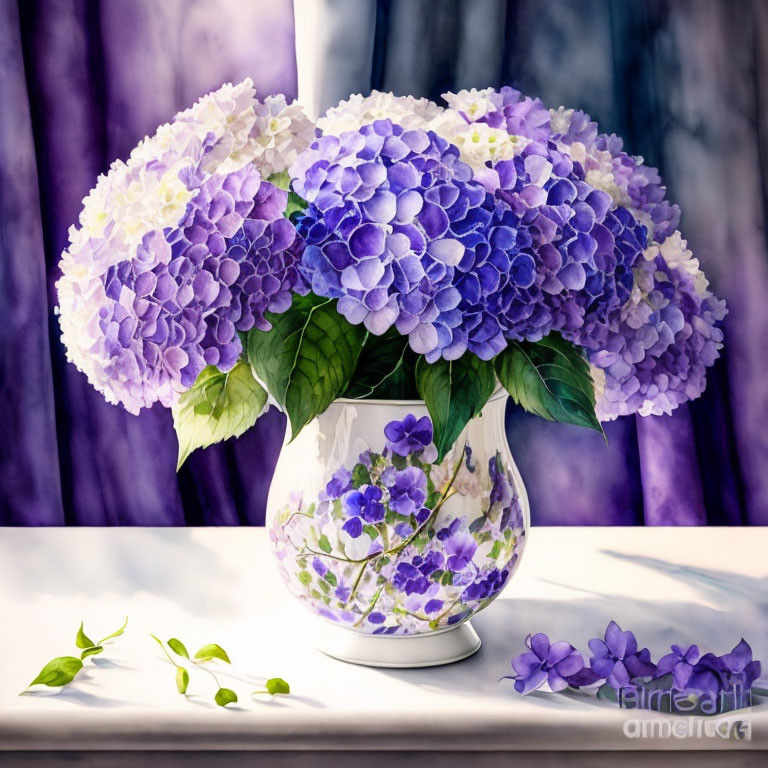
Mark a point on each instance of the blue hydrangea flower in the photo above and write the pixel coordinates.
(178, 305)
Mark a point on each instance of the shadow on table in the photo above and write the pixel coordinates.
(731, 606)
(140, 560)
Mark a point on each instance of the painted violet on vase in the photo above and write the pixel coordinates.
(396, 543)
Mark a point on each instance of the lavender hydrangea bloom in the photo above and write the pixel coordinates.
(177, 306)
(617, 659)
(545, 663)
(655, 353)
(150, 292)
(409, 436)
(388, 211)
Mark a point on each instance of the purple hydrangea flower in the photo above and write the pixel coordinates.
(409, 436)
(408, 491)
(410, 574)
(544, 663)
(178, 305)
(520, 115)
(617, 659)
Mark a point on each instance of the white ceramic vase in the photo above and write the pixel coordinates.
(395, 551)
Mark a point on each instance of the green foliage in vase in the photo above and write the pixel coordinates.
(307, 359)
(454, 391)
(551, 379)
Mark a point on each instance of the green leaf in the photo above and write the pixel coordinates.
(277, 685)
(212, 651)
(308, 357)
(218, 406)
(551, 379)
(225, 696)
(381, 368)
(281, 180)
(454, 391)
(324, 544)
(182, 679)
(58, 672)
(82, 640)
(116, 633)
(92, 651)
(178, 647)
(360, 475)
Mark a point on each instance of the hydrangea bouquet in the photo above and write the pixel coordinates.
(417, 261)
(246, 255)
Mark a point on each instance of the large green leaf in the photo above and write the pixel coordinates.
(454, 391)
(384, 369)
(307, 359)
(549, 378)
(218, 406)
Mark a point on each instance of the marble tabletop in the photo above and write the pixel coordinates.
(219, 585)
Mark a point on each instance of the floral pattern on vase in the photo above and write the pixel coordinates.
(395, 543)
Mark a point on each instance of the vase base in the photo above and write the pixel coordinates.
(400, 651)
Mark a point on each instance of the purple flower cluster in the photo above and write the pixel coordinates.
(656, 351)
(179, 304)
(519, 115)
(653, 349)
(617, 663)
(642, 182)
(528, 117)
(401, 234)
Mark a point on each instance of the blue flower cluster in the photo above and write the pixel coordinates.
(402, 235)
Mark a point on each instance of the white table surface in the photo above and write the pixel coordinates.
(202, 585)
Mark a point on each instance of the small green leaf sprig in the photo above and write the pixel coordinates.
(62, 670)
(207, 653)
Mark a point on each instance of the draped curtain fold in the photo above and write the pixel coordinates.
(685, 82)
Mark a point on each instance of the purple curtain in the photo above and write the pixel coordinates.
(684, 81)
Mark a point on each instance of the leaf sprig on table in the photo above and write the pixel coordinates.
(63, 669)
(207, 653)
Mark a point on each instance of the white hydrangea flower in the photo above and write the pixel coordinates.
(280, 132)
(473, 103)
(598, 170)
(560, 120)
(674, 250)
(477, 142)
(223, 132)
(358, 111)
